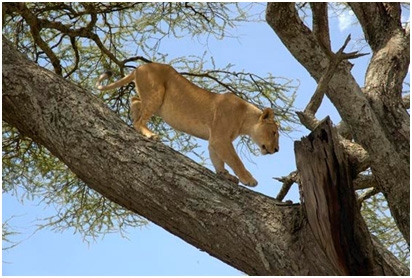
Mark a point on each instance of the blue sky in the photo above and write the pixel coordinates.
(150, 250)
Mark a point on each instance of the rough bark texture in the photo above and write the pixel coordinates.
(330, 203)
(240, 227)
(376, 116)
(245, 229)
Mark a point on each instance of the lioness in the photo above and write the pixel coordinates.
(218, 118)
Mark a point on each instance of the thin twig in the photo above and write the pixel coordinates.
(366, 195)
(287, 181)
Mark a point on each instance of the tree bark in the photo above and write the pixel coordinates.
(376, 117)
(245, 229)
(330, 202)
(238, 226)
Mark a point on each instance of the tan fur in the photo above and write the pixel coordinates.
(218, 118)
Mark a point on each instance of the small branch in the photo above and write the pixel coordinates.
(366, 195)
(207, 75)
(307, 117)
(364, 182)
(137, 58)
(109, 54)
(35, 28)
(76, 55)
(334, 60)
(357, 156)
(227, 86)
(340, 55)
(196, 12)
(85, 32)
(287, 181)
(308, 120)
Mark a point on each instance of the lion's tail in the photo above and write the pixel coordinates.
(127, 79)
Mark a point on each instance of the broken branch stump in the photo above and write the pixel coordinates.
(329, 201)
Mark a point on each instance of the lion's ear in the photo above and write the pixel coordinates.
(267, 115)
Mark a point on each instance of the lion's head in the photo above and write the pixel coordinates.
(266, 132)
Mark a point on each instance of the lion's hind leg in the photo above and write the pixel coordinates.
(143, 109)
(135, 104)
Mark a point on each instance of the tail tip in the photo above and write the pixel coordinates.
(105, 75)
(102, 77)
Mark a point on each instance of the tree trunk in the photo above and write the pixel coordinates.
(375, 115)
(245, 229)
(330, 202)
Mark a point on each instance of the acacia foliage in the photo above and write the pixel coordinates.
(380, 223)
(79, 41)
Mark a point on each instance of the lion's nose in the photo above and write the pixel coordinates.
(276, 150)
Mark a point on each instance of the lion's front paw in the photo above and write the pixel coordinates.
(154, 137)
(151, 135)
(248, 180)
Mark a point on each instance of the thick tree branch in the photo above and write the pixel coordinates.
(375, 18)
(384, 78)
(321, 24)
(387, 69)
(240, 227)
